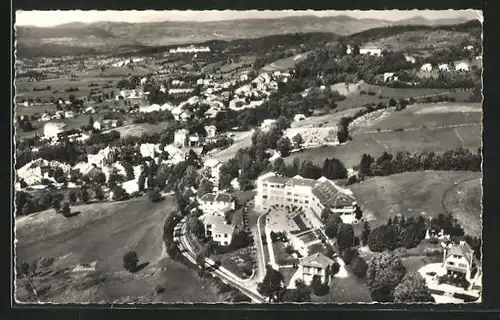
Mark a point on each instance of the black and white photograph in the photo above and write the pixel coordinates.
(258, 157)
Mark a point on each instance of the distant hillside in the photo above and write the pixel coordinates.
(98, 35)
(473, 28)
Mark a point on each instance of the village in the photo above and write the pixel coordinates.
(227, 161)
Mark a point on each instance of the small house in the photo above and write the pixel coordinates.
(315, 265)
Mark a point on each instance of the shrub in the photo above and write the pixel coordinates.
(159, 289)
(359, 267)
(130, 261)
(349, 254)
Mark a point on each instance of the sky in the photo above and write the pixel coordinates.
(57, 17)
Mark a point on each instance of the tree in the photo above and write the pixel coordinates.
(84, 195)
(359, 267)
(279, 166)
(100, 178)
(365, 165)
(298, 140)
(301, 293)
(130, 261)
(334, 169)
(119, 193)
(195, 226)
(91, 121)
(272, 284)
(154, 195)
(66, 210)
(349, 254)
(72, 197)
(412, 289)
(98, 193)
(206, 186)
(385, 271)
(283, 145)
(56, 204)
(382, 238)
(365, 233)
(345, 236)
(141, 182)
(332, 225)
(46, 200)
(318, 288)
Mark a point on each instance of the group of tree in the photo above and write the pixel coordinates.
(451, 160)
(388, 281)
(397, 233)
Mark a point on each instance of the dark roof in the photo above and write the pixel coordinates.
(329, 195)
(463, 249)
(219, 197)
(276, 179)
(317, 260)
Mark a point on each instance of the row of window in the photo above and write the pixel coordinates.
(460, 265)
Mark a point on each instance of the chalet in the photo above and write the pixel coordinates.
(444, 67)
(211, 130)
(459, 260)
(194, 140)
(69, 114)
(299, 117)
(462, 66)
(212, 167)
(315, 265)
(51, 130)
(216, 203)
(410, 59)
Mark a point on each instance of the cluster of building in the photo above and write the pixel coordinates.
(190, 49)
(214, 207)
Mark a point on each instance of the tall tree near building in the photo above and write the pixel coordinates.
(385, 272)
(412, 289)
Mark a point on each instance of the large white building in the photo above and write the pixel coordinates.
(373, 51)
(51, 130)
(216, 203)
(190, 49)
(459, 261)
(312, 195)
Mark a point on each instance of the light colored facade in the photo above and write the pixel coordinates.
(426, 67)
(181, 138)
(211, 131)
(51, 130)
(216, 203)
(459, 259)
(371, 51)
(312, 195)
(316, 264)
(218, 229)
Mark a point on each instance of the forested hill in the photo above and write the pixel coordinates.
(472, 27)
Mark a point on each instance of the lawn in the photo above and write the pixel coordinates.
(437, 140)
(281, 257)
(412, 194)
(316, 248)
(345, 290)
(328, 120)
(138, 129)
(240, 262)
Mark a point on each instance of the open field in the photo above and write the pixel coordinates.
(103, 233)
(138, 129)
(24, 89)
(327, 120)
(415, 194)
(72, 123)
(437, 140)
(464, 201)
(416, 40)
(285, 64)
(429, 115)
(241, 140)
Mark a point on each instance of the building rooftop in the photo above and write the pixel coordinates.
(216, 197)
(219, 224)
(330, 195)
(462, 249)
(317, 260)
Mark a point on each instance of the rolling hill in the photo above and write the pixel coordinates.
(98, 35)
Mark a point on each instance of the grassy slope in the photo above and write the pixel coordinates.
(103, 233)
(421, 40)
(413, 193)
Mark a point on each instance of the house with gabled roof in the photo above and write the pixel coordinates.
(217, 203)
(459, 260)
(217, 228)
(315, 265)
